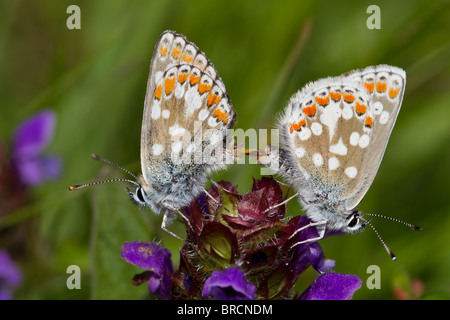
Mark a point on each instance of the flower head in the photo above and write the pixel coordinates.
(243, 247)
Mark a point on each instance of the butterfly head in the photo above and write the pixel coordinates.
(343, 222)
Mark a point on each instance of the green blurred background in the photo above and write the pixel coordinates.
(95, 79)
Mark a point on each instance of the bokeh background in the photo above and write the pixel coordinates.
(95, 80)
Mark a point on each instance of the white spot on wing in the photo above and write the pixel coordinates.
(165, 114)
(179, 92)
(304, 134)
(316, 128)
(156, 111)
(354, 138)
(158, 76)
(157, 149)
(203, 114)
(330, 116)
(364, 141)
(384, 117)
(339, 148)
(377, 107)
(300, 152)
(193, 100)
(347, 112)
(176, 130)
(351, 172)
(317, 159)
(333, 163)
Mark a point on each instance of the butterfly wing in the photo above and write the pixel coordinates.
(335, 135)
(185, 97)
(385, 86)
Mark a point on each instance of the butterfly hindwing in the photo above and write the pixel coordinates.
(385, 86)
(335, 131)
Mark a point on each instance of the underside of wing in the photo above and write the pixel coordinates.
(185, 103)
(385, 86)
(336, 129)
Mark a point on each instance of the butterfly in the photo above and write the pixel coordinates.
(185, 128)
(334, 133)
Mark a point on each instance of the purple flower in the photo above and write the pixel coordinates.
(30, 138)
(229, 284)
(156, 261)
(332, 286)
(310, 253)
(10, 276)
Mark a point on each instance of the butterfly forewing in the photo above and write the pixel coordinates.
(335, 132)
(185, 98)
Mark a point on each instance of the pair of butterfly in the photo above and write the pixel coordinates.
(334, 133)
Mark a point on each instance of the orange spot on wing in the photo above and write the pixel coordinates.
(297, 126)
(226, 121)
(369, 86)
(360, 108)
(176, 52)
(310, 110)
(369, 122)
(393, 92)
(193, 79)
(212, 99)
(163, 50)
(381, 86)
(348, 97)
(182, 77)
(203, 87)
(158, 92)
(336, 96)
(219, 114)
(187, 58)
(169, 85)
(323, 101)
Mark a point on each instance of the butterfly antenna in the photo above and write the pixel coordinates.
(79, 186)
(394, 219)
(96, 157)
(391, 254)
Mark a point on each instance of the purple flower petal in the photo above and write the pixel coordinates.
(10, 275)
(29, 140)
(153, 258)
(36, 170)
(34, 134)
(332, 286)
(311, 253)
(229, 284)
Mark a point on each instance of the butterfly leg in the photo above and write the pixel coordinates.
(180, 212)
(166, 220)
(209, 195)
(312, 224)
(281, 203)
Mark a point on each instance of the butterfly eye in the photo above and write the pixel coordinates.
(353, 220)
(139, 195)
